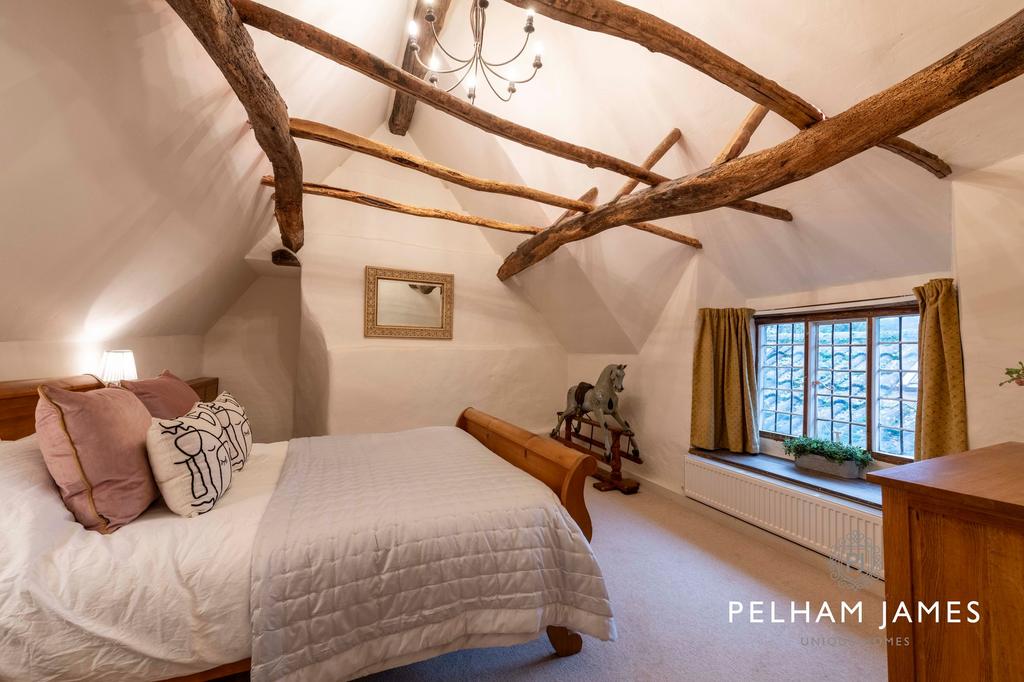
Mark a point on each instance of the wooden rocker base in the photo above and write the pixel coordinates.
(565, 641)
(613, 480)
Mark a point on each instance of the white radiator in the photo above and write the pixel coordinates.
(813, 520)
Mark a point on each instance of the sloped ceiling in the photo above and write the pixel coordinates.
(130, 177)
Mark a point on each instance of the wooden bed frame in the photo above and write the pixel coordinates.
(560, 468)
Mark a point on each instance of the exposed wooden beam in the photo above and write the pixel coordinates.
(336, 49)
(220, 31)
(657, 35)
(389, 205)
(404, 106)
(652, 159)
(667, 234)
(345, 53)
(588, 198)
(311, 130)
(742, 137)
(982, 64)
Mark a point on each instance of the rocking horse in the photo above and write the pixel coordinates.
(601, 400)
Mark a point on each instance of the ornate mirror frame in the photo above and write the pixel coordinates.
(372, 329)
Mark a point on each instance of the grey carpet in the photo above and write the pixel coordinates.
(672, 571)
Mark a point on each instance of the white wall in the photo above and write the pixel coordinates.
(988, 222)
(503, 358)
(253, 349)
(183, 355)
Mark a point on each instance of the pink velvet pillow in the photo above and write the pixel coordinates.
(166, 397)
(94, 445)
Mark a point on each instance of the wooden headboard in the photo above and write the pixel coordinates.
(18, 402)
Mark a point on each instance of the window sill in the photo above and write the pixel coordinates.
(854, 490)
(879, 456)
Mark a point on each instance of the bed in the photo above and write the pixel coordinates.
(167, 597)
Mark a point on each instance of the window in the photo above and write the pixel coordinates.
(848, 376)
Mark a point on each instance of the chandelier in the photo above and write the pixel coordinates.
(475, 69)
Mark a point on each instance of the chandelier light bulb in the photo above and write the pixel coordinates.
(538, 49)
(435, 64)
(414, 30)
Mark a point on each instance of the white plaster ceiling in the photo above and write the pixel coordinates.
(130, 178)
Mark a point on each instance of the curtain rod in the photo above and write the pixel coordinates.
(891, 299)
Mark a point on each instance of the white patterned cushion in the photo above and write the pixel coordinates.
(191, 459)
(232, 418)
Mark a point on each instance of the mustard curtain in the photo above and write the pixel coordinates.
(724, 410)
(941, 426)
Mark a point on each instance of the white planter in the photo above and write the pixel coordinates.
(827, 466)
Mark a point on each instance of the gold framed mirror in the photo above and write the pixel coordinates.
(407, 304)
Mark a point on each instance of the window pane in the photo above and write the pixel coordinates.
(909, 414)
(889, 356)
(841, 409)
(841, 357)
(859, 411)
(841, 383)
(908, 357)
(888, 329)
(910, 324)
(859, 436)
(859, 383)
(840, 432)
(841, 334)
(824, 334)
(888, 384)
(889, 413)
(897, 361)
(825, 430)
(890, 441)
(824, 358)
(823, 408)
(824, 379)
(859, 358)
(781, 384)
(859, 332)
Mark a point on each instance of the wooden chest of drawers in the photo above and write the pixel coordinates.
(208, 388)
(954, 532)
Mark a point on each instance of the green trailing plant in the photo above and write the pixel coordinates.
(834, 452)
(1015, 375)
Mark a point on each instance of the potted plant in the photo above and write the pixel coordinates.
(845, 461)
(1015, 375)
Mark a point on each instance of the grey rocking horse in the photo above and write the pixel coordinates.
(599, 399)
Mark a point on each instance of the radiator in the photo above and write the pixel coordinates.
(814, 520)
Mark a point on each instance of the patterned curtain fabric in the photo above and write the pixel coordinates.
(724, 410)
(941, 427)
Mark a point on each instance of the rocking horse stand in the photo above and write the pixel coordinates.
(607, 479)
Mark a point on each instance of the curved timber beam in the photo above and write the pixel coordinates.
(336, 49)
(220, 31)
(989, 60)
(404, 106)
(657, 35)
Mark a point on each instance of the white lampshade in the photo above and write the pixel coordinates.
(118, 366)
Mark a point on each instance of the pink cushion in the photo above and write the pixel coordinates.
(166, 397)
(94, 445)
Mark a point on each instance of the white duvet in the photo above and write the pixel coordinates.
(466, 550)
(161, 597)
(378, 550)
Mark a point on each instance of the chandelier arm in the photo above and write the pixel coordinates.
(437, 42)
(491, 85)
(416, 56)
(459, 82)
(512, 80)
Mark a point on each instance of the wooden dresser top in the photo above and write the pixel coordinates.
(989, 478)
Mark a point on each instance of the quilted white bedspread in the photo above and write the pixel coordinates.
(379, 550)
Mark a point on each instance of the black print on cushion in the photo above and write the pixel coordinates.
(231, 416)
(206, 452)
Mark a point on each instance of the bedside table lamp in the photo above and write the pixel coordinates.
(117, 366)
